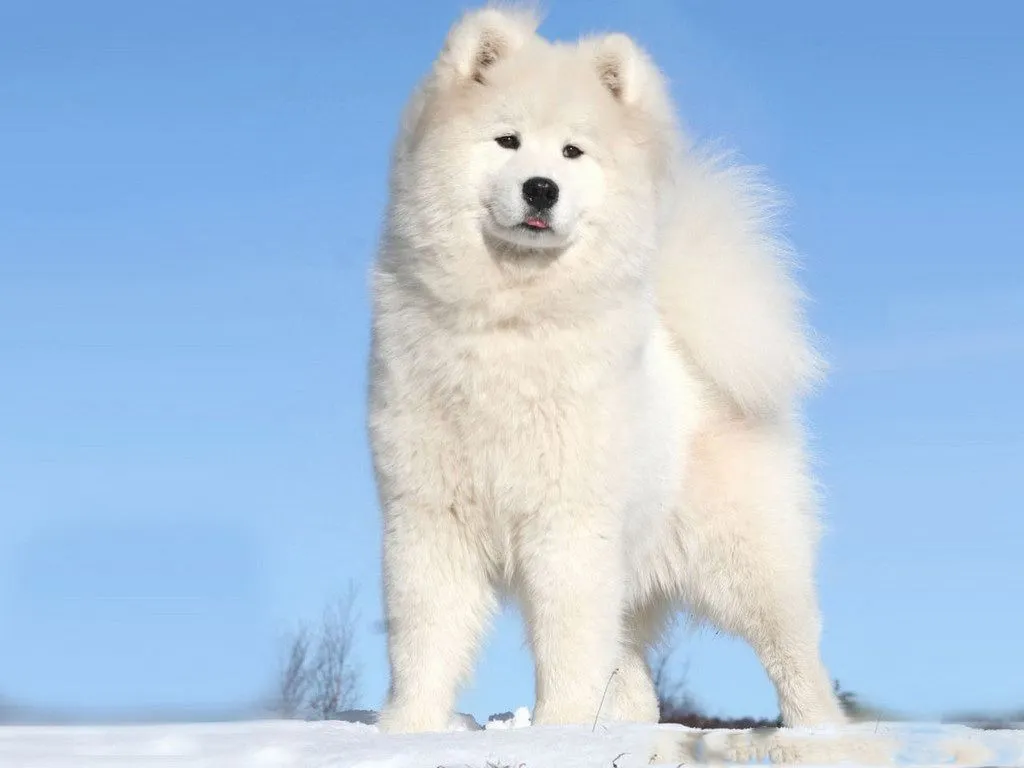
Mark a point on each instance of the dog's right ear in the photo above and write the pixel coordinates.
(482, 38)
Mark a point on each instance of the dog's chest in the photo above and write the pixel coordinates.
(507, 388)
(516, 411)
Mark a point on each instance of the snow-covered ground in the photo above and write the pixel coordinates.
(292, 744)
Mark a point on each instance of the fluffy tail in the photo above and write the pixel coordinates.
(726, 293)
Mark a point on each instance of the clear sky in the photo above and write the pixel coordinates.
(190, 194)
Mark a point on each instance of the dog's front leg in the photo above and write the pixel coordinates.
(439, 600)
(573, 574)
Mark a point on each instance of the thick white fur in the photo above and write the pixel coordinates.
(600, 419)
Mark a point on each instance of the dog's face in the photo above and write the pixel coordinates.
(534, 148)
(541, 137)
(538, 180)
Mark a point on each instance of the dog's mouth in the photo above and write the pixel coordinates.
(534, 231)
(535, 223)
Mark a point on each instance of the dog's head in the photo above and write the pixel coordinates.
(536, 150)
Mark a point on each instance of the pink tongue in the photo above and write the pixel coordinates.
(537, 223)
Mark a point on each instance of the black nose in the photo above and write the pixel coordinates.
(540, 193)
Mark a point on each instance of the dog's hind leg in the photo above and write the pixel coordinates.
(748, 538)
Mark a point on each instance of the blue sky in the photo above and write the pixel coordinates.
(189, 198)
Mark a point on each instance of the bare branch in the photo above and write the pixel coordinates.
(334, 678)
(294, 679)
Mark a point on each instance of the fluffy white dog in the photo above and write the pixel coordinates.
(586, 366)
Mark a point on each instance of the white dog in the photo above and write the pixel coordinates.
(586, 366)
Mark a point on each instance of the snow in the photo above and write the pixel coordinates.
(505, 742)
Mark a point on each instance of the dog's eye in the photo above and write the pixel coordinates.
(509, 141)
(571, 151)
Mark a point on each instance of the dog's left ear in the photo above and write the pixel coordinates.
(633, 80)
(628, 73)
(480, 39)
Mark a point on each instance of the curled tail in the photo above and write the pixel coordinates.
(726, 293)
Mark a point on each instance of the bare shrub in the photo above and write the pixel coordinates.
(294, 677)
(319, 677)
(334, 679)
